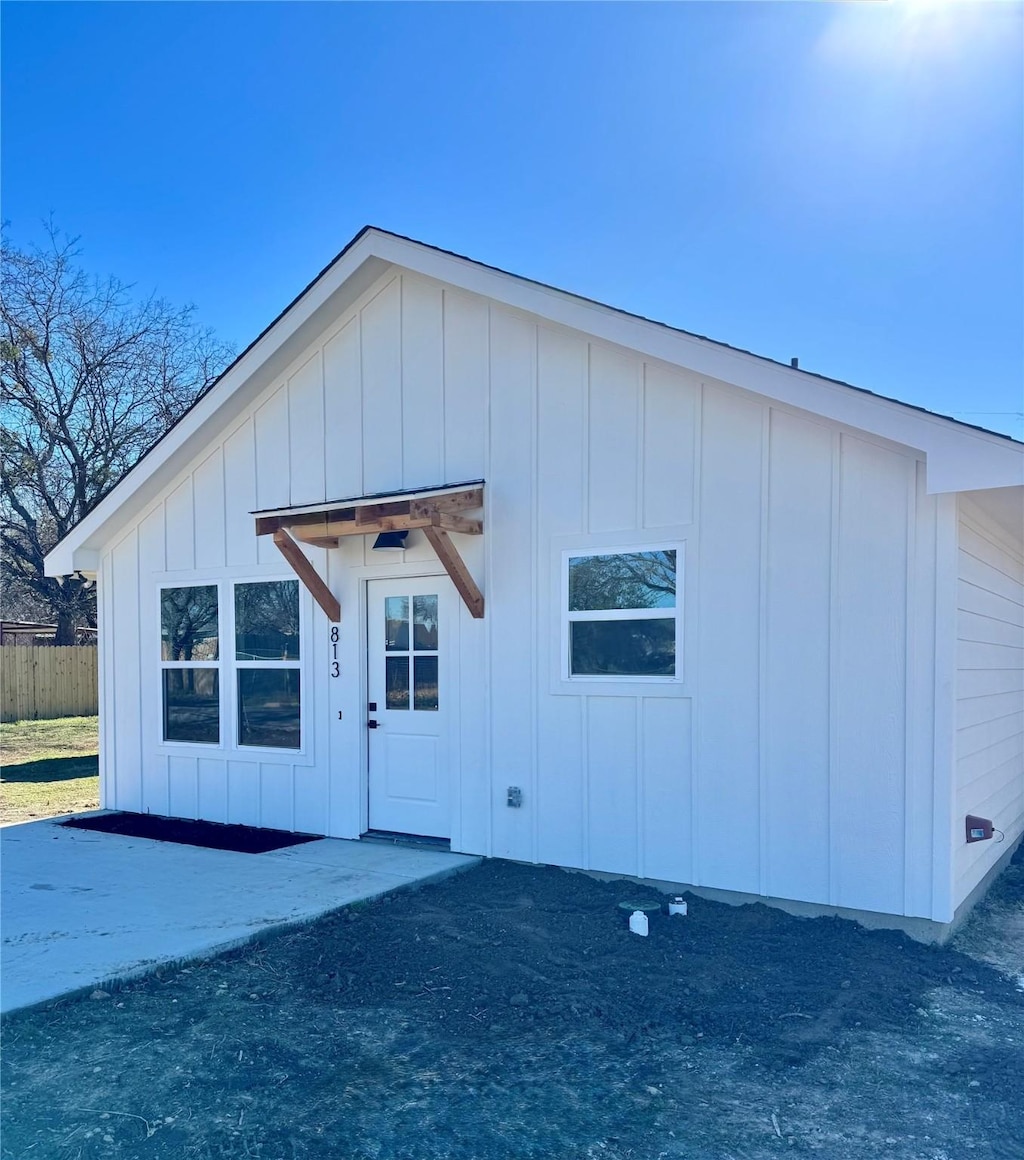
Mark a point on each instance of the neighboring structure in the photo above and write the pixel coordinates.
(31, 632)
(664, 609)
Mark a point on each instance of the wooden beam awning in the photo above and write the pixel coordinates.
(438, 511)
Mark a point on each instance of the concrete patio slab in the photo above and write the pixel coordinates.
(81, 908)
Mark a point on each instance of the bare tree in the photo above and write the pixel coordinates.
(91, 378)
(623, 580)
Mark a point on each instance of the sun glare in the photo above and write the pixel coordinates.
(907, 33)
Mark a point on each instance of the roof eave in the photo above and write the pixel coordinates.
(959, 456)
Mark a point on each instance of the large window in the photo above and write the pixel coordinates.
(190, 659)
(264, 664)
(623, 616)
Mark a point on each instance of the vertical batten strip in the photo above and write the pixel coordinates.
(442, 432)
(361, 360)
(641, 457)
(489, 542)
(639, 720)
(585, 465)
(921, 707)
(585, 779)
(696, 721)
(944, 775)
(192, 518)
(224, 500)
(639, 472)
(910, 683)
(833, 667)
(535, 590)
(324, 436)
(691, 635)
(402, 283)
(488, 651)
(105, 699)
(762, 652)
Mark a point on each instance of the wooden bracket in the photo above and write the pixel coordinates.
(456, 568)
(308, 575)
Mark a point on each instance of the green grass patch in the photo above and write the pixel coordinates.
(49, 767)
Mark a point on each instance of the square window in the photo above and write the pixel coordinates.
(622, 614)
(264, 685)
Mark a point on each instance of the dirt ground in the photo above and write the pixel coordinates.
(507, 1012)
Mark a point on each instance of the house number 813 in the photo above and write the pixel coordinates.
(335, 667)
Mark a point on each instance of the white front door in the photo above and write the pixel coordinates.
(410, 691)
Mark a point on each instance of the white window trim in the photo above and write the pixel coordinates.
(228, 747)
(611, 683)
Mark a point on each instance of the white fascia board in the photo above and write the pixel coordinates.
(353, 273)
(958, 457)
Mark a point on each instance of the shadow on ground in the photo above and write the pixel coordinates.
(51, 769)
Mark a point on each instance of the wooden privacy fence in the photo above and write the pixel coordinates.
(48, 681)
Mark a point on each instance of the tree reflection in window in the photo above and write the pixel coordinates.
(267, 621)
(622, 614)
(190, 654)
(188, 623)
(267, 661)
(625, 580)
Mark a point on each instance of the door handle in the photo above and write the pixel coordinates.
(372, 724)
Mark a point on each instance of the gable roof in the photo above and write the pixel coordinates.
(959, 456)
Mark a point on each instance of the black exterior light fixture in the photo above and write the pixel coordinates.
(390, 542)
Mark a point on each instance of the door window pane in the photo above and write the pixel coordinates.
(424, 614)
(188, 623)
(396, 682)
(192, 705)
(625, 580)
(268, 708)
(425, 683)
(643, 648)
(396, 623)
(267, 621)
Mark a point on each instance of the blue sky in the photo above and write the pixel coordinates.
(844, 183)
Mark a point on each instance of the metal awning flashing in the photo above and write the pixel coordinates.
(438, 511)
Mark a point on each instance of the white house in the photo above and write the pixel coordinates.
(665, 608)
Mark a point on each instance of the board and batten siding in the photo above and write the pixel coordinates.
(794, 757)
(989, 691)
(309, 436)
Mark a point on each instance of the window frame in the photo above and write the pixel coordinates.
(571, 681)
(228, 668)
